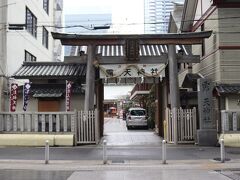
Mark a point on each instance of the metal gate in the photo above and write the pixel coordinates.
(186, 125)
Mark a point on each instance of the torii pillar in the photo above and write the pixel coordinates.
(174, 87)
(90, 79)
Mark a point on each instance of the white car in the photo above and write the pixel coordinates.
(136, 117)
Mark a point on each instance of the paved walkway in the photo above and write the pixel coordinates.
(82, 170)
(116, 134)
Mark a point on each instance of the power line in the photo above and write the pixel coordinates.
(145, 23)
(3, 6)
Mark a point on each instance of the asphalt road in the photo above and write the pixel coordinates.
(117, 153)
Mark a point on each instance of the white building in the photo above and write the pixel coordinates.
(25, 35)
(156, 15)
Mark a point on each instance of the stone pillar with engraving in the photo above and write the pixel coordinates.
(207, 132)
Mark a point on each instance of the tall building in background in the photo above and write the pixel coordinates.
(156, 15)
(25, 36)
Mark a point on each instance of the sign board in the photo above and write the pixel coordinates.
(132, 70)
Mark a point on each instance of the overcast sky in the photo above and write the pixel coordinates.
(127, 15)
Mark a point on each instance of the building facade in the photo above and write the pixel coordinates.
(156, 15)
(220, 53)
(25, 36)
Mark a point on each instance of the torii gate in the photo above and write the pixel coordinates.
(131, 55)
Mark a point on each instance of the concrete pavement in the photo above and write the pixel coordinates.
(116, 134)
(134, 154)
(92, 170)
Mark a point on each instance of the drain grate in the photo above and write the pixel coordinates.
(219, 159)
(118, 161)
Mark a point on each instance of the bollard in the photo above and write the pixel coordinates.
(104, 151)
(222, 150)
(164, 152)
(46, 152)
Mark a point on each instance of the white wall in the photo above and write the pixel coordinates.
(3, 19)
(221, 65)
(232, 102)
(209, 66)
(20, 40)
(77, 102)
(32, 104)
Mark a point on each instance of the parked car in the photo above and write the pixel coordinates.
(136, 117)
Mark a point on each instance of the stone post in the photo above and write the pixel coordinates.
(207, 133)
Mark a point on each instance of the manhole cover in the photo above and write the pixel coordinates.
(219, 159)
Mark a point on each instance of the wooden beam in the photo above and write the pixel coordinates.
(187, 41)
(143, 59)
(170, 38)
(76, 59)
(188, 58)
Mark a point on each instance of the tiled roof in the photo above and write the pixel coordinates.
(190, 80)
(44, 95)
(118, 50)
(52, 90)
(51, 69)
(228, 88)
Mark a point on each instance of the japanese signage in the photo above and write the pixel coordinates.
(205, 104)
(26, 97)
(13, 96)
(68, 94)
(134, 70)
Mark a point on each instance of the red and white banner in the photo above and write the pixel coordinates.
(13, 97)
(68, 94)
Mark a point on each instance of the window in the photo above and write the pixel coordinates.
(45, 37)
(29, 57)
(31, 23)
(46, 5)
(137, 112)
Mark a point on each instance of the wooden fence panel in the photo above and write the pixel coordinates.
(87, 127)
(186, 125)
(84, 125)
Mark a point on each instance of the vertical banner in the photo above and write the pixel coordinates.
(68, 94)
(26, 95)
(13, 96)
